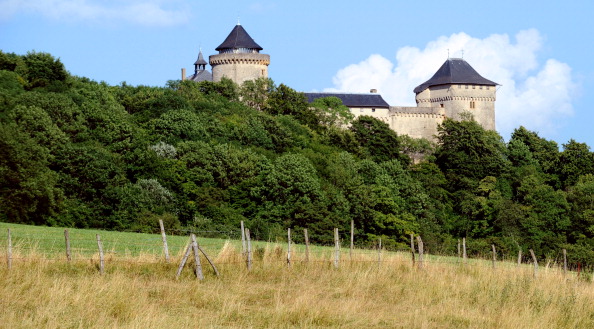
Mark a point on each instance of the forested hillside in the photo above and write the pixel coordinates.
(78, 153)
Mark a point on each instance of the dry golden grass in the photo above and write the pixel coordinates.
(141, 292)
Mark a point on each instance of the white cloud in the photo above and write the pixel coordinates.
(140, 12)
(535, 95)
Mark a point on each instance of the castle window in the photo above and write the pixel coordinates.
(441, 105)
(473, 86)
(372, 110)
(472, 104)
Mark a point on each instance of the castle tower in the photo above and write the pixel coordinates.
(239, 58)
(200, 72)
(458, 88)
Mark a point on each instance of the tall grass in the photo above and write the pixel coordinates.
(141, 292)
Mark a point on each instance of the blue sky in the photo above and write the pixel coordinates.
(539, 51)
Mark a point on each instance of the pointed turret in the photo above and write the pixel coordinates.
(238, 41)
(457, 89)
(239, 58)
(200, 63)
(455, 71)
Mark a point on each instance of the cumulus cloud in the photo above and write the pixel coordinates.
(140, 12)
(537, 95)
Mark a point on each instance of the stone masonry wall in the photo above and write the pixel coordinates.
(239, 67)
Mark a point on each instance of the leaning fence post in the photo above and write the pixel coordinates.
(412, 248)
(289, 247)
(336, 248)
(9, 251)
(101, 260)
(183, 261)
(210, 261)
(249, 249)
(464, 256)
(306, 237)
(494, 255)
(564, 261)
(352, 239)
(164, 238)
(67, 238)
(242, 238)
(519, 256)
(421, 249)
(535, 262)
(198, 270)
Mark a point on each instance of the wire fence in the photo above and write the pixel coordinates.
(55, 245)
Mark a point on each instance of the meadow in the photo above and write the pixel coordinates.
(367, 290)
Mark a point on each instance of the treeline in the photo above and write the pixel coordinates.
(77, 153)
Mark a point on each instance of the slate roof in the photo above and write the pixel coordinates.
(352, 100)
(200, 60)
(201, 75)
(454, 71)
(238, 38)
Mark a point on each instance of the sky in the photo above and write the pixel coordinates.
(539, 52)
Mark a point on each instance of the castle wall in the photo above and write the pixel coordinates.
(378, 113)
(457, 99)
(239, 67)
(416, 122)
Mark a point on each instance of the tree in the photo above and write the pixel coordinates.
(286, 101)
(331, 112)
(468, 153)
(575, 160)
(381, 142)
(255, 93)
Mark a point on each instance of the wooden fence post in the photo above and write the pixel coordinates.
(306, 245)
(210, 261)
(242, 239)
(459, 251)
(9, 251)
(164, 238)
(379, 253)
(494, 255)
(67, 238)
(535, 261)
(101, 260)
(184, 260)
(421, 250)
(199, 274)
(412, 248)
(519, 256)
(352, 239)
(564, 261)
(289, 247)
(249, 249)
(336, 248)
(464, 256)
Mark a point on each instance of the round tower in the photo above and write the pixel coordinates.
(458, 89)
(239, 58)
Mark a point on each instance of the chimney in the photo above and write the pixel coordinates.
(183, 74)
(373, 91)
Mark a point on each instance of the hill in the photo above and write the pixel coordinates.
(78, 153)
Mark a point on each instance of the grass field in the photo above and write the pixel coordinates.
(139, 289)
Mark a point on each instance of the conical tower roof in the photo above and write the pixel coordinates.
(454, 71)
(200, 60)
(238, 38)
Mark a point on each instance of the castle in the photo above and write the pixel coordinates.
(454, 91)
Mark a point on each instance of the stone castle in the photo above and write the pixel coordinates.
(456, 90)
